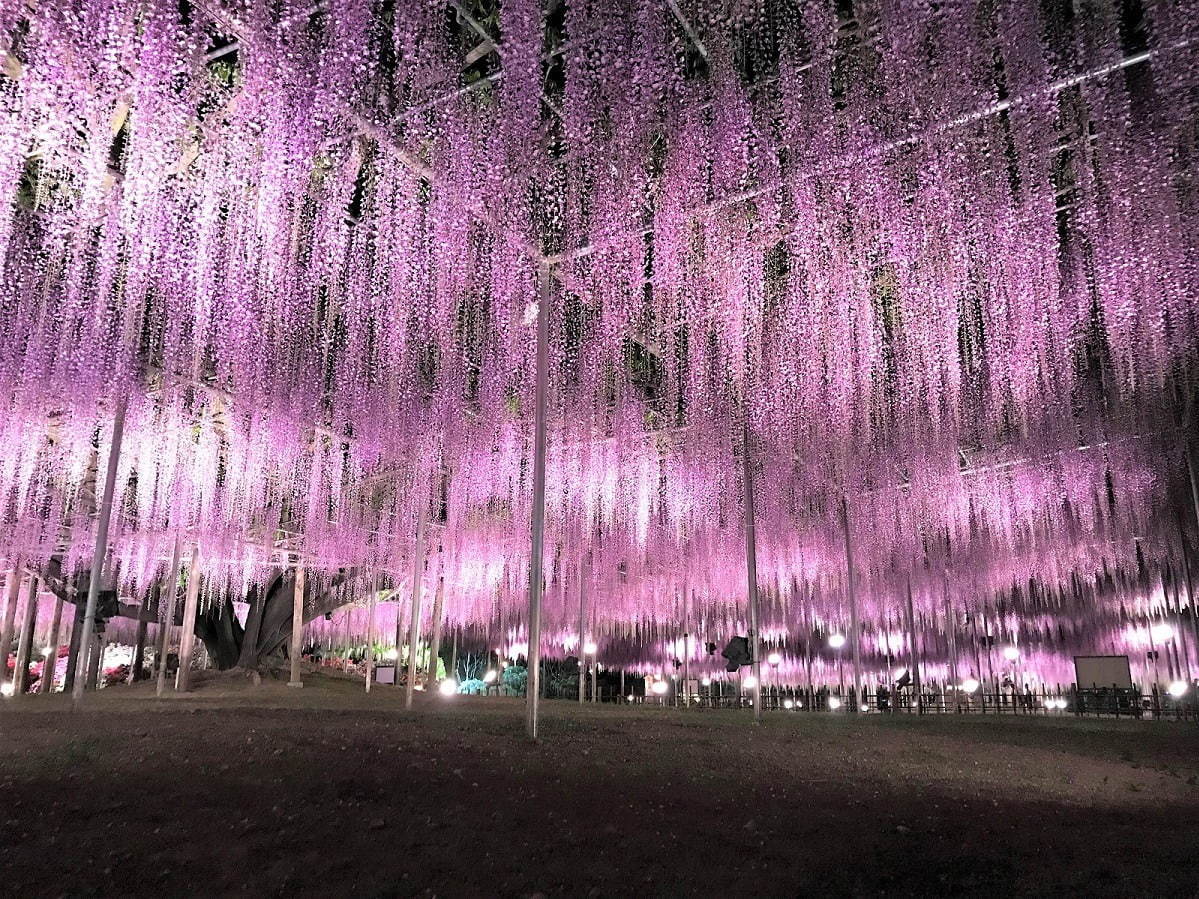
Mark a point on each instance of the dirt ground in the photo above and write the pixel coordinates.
(237, 790)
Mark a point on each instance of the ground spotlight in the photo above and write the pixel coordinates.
(836, 641)
(1011, 653)
(1177, 688)
(750, 682)
(774, 658)
(660, 687)
(970, 685)
(834, 703)
(788, 704)
(448, 687)
(489, 677)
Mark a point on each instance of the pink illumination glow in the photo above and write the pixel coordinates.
(955, 291)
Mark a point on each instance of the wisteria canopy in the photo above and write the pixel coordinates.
(935, 260)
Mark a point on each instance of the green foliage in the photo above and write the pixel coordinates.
(515, 680)
(472, 687)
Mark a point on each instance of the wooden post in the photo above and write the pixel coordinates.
(537, 547)
(913, 657)
(12, 595)
(435, 640)
(370, 632)
(50, 662)
(418, 576)
(297, 626)
(187, 639)
(454, 656)
(25, 640)
(96, 575)
(751, 570)
(855, 629)
(171, 588)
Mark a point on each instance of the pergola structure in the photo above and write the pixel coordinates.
(640, 306)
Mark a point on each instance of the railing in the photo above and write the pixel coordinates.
(1110, 702)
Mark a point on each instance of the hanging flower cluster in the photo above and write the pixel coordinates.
(935, 260)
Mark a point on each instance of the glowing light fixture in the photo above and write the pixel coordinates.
(788, 704)
(749, 682)
(489, 677)
(6, 690)
(48, 650)
(970, 685)
(1177, 688)
(448, 687)
(834, 703)
(707, 681)
(391, 654)
(589, 648)
(660, 687)
(836, 641)
(1161, 633)
(774, 658)
(1011, 653)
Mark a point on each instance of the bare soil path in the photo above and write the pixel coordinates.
(237, 790)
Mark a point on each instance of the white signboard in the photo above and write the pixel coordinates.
(1102, 671)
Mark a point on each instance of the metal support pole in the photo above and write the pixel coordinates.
(139, 652)
(171, 589)
(74, 646)
(435, 640)
(583, 628)
(686, 643)
(913, 658)
(297, 627)
(751, 566)
(541, 390)
(50, 662)
(12, 596)
(418, 576)
(187, 639)
(370, 632)
(855, 630)
(20, 678)
(96, 574)
(951, 625)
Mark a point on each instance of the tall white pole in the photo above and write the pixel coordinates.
(418, 576)
(86, 643)
(50, 662)
(913, 659)
(187, 639)
(170, 589)
(12, 596)
(686, 640)
(855, 630)
(541, 389)
(582, 629)
(25, 640)
(370, 632)
(435, 639)
(297, 626)
(751, 567)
